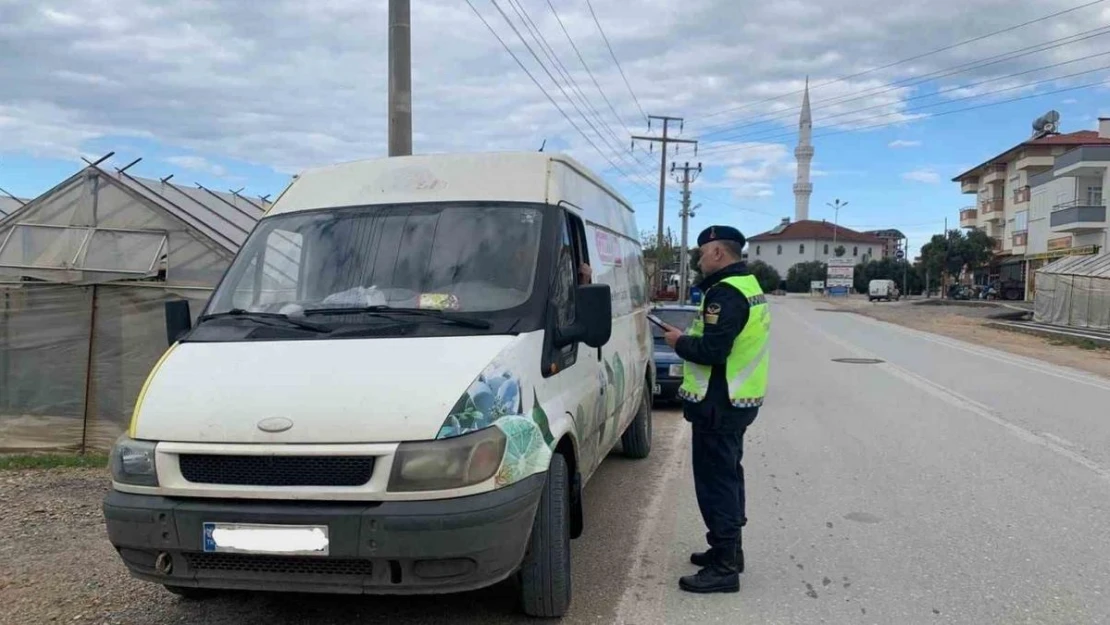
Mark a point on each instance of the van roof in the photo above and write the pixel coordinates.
(496, 176)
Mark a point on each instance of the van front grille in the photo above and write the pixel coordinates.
(281, 565)
(276, 470)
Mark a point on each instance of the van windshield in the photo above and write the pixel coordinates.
(476, 257)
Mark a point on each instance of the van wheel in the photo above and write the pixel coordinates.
(636, 440)
(545, 573)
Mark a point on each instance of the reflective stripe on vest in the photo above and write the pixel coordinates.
(748, 360)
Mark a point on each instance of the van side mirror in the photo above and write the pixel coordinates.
(593, 317)
(178, 320)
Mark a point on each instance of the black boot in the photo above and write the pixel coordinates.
(714, 578)
(705, 558)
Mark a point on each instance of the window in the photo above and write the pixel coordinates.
(870, 251)
(780, 251)
(1094, 196)
(566, 277)
(757, 248)
(802, 248)
(855, 251)
(826, 249)
(474, 257)
(1021, 221)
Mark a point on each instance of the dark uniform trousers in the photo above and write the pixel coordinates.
(718, 451)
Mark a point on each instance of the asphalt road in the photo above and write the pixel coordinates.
(946, 484)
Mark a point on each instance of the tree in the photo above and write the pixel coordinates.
(840, 250)
(799, 276)
(887, 269)
(951, 252)
(768, 278)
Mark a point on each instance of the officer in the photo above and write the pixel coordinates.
(724, 380)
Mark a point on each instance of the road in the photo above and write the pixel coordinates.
(946, 484)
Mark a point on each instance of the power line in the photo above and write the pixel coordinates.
(912, 58)
(615, 60)
(546, 94)
(587, 67)
(940, 114)
(917, 80)
(754, 137)
(560, 68)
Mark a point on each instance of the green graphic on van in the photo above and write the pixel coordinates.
(496, 400)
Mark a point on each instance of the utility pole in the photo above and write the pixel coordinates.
(906, 267)
(400, 79)
(836, 217)
(689, 174)
(665, 140)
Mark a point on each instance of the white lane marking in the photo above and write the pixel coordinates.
(637, 602)
(1059, 439)
(964, 402)
(1064, 373)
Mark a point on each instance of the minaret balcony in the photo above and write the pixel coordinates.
(803, 187)
(803, 151)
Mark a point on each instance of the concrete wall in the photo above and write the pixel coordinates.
(792, 253)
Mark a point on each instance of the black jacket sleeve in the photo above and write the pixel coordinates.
(713, 347)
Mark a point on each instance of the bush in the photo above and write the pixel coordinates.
(799, 277)
(769, 279)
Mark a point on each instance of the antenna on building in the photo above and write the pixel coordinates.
(1047, 124)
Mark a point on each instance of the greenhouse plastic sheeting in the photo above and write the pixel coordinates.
(49, 339)
(1074, 291)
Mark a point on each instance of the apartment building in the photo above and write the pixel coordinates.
(892, 240)
(790, 243)
(1005, 209)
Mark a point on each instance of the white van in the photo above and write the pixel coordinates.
(399, 387)
(882, 289)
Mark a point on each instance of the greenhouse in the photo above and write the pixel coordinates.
(1074, 291)
(85, 270)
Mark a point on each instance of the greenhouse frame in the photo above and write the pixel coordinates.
(85, 270)
(1074, 291)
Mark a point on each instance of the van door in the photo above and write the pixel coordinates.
(572, 373)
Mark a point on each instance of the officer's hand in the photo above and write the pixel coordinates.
(672, 335)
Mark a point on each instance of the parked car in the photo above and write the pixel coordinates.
(668, 366)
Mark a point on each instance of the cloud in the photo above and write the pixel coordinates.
(197, 163)
(925, 175)
(306, 87)
(902, 143)
(1069, 101)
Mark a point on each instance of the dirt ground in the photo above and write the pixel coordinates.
(968, 323)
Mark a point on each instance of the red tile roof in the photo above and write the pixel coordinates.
(818, 230)
(1078, 138)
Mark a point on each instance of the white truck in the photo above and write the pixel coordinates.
(400, 386)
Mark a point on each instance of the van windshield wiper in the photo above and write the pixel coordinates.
(447, 316)
(272, 319)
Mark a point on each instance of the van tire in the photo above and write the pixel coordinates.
(545, 583)
(636, 439)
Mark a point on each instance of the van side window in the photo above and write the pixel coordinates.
(566, 278)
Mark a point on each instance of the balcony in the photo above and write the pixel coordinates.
(1078, 216)
(1035, 161)
(1083, 162)
(1019, 240)
(992, 209)
(997, 247)
(996, 174)
(969, 185)
(969, 217)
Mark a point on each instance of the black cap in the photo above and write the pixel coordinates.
(720, 233)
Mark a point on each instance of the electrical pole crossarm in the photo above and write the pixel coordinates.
(663, 139)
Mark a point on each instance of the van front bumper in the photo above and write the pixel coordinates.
(394, 547)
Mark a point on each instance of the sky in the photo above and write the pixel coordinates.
(219, 93)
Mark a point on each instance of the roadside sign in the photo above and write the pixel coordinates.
(899, 254)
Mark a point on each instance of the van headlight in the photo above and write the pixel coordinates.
(133, 462)
(449, 463)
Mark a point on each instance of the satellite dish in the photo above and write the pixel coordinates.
(1046, 124)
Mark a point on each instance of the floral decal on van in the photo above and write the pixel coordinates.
(495, 399)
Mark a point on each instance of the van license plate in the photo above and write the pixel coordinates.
(290, 540)
(657, 389)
